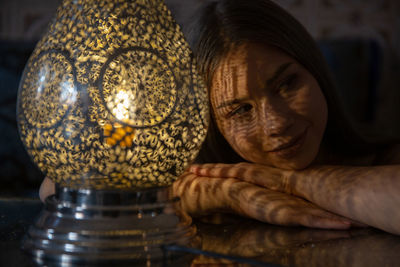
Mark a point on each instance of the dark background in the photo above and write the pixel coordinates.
(360, 40)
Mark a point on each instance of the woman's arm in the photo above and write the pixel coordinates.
(370, 195)
(203, 195)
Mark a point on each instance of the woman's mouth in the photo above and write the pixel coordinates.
(291, 148)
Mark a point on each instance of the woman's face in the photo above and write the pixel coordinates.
(268, 107)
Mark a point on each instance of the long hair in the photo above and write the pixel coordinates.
(221, 25)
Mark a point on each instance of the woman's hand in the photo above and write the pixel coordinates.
(204, 195)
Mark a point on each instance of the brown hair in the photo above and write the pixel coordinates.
(221, 25)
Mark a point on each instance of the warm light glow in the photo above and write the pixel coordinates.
(42, 78)
(121, 105)
(68, 93)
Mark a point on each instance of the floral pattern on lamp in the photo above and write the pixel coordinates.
(110, 97)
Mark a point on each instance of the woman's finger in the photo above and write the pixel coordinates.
(219, 170)
(47, 188)
(265, 176)
(199, 195)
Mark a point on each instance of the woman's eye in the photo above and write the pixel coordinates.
(242, 109)
(288, 83)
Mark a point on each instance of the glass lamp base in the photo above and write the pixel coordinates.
(101, 226)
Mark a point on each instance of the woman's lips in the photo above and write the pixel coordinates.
(290, 149)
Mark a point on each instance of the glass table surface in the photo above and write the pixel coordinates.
(232, 241)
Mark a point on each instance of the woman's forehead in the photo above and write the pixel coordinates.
(245, 68)
(230, 78)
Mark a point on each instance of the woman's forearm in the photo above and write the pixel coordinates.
(370, 195)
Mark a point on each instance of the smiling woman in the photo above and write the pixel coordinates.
(280, 148)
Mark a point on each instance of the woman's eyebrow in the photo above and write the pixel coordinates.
(278, 72)
(232, 102)
(281, 69)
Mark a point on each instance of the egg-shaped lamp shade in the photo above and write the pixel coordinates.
(110, 97)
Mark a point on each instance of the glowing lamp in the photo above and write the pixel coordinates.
(111, 108)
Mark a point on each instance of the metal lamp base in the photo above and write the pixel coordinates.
(103, 226)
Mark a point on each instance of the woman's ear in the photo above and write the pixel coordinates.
(47, 188)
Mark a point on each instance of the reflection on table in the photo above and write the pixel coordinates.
(233, 241)
(295, 246)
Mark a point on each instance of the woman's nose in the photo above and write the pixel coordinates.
(276, 120)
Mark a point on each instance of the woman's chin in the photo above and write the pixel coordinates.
(292, 164)
(298, 161)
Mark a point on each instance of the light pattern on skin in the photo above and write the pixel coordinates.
(110, 98)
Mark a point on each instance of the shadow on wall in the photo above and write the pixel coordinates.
(356, 65)
(365, 84)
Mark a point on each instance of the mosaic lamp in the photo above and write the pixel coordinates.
(111, 108)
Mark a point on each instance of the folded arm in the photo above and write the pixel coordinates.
(370, 195)
(204, 195)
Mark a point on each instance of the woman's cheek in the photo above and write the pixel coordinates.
(245, 142)
(241, 136)
(230, 135)
(228, 129)
(309, 101)
(302, 102)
